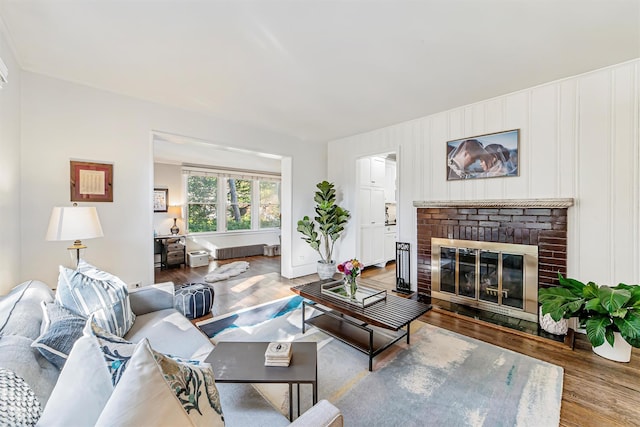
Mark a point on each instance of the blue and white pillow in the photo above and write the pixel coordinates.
(116, 351)
(89, 291)
(157, 390)
(62, 328)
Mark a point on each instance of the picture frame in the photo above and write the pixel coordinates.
(160, 199)
(491, 155)
(90, 181)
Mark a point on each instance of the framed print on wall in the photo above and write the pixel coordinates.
(91, 182)
(484, 156)
(160, 199)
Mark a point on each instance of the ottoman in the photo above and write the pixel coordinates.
(193, 299)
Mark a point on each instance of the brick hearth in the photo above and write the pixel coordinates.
(529, 222)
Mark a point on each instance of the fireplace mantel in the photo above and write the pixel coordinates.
(495, 203)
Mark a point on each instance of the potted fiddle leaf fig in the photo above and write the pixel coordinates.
(326, 227)
(610, 315)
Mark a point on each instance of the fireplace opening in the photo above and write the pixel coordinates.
(497, 277)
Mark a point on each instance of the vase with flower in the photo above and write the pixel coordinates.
(351, 270)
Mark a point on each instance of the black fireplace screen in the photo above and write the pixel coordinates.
(403, 267)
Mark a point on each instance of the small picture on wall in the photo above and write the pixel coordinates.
(160, 198)
(484, 156)
(91, 182)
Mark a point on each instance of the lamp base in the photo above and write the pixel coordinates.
(174, 229)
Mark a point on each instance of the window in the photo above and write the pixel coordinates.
(221, 201)
(238, 204)
(269, 204)
(202, 196)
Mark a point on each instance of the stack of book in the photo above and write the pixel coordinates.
(278, 354)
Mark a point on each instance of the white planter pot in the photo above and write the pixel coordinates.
(620, 352)
(326, 270)
(548, 324)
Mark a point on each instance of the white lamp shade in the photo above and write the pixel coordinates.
(175, 211)
(74, 223)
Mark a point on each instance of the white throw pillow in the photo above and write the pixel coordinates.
(82, 390)
(146, 393)
(92, 369)
(89, 291)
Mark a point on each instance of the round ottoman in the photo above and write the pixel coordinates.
(193, 299)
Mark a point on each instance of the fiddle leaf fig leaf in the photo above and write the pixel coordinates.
(559, 302)
(590, 290)
(573, 285)
(596, 329)
(629, 327)
(635, 296)
(613, 299)
(609, 336)
(595, 305)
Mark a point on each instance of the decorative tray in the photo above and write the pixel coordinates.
(364, 296)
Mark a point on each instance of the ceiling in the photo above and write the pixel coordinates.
(319, 69)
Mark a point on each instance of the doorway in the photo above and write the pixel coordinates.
(176, 157)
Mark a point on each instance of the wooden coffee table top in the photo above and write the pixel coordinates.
(392, 313)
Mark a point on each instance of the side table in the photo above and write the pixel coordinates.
(172, 249)
(243, 362)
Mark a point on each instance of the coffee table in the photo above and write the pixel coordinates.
(243, 362)
(371, 329)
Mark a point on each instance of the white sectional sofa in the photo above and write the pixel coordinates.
(68, 397)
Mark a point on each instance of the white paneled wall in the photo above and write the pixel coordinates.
(579, 137)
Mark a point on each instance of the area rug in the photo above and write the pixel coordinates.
(249, 317)
(227, 271)
(441, 379)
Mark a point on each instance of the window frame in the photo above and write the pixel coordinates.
(222, 206)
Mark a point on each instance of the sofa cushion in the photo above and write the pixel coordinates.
(62, 328)
(83, 389)
(19, 405)
(170, 332)
(20, 312)
(91, 291)
(17, 355)
(157, 390)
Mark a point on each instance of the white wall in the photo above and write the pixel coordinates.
(10, 243)
(62, 120)
(169, 177)
(580, 138)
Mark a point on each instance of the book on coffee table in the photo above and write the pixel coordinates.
(278, 354)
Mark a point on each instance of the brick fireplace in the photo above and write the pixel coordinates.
(536, 222)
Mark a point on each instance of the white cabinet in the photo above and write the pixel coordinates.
(372, 171)
(390, 238)
(372, 245)
(371, 213)
(390, 181)
(371, 206)
(371, 209)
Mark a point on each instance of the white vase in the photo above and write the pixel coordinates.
(326, 270)
(620, 352)
(548, 324)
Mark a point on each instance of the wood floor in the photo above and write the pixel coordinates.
(596, 391)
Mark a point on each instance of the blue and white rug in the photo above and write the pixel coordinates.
(250, 317)
(441, 379)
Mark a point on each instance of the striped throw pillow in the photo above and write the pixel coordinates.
(89, 291)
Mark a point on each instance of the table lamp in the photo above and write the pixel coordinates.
(175, 212)
(74, 223)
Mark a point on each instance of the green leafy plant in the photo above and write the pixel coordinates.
(330, 220)
(601, 310)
